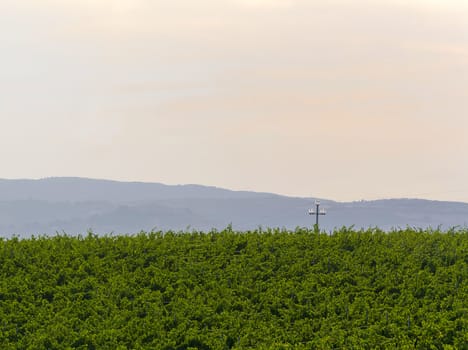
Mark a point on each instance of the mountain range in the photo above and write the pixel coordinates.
(77, 205)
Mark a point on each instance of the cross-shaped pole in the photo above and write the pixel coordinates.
(317, 212)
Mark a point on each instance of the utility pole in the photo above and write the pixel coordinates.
(317, 212)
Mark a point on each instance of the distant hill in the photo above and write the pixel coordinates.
(74, 205)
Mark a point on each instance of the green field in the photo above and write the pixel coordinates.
(264, 289)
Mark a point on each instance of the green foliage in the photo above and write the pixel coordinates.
(266, 289)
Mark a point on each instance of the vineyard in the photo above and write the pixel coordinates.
(263, 289)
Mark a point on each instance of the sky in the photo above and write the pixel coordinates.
(338, 99)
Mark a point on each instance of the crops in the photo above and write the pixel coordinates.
(264, 289)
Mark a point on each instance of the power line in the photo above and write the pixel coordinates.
(421, 195)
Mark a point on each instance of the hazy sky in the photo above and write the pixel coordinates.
(342, 99)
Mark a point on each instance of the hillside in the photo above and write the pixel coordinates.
(75, 205)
